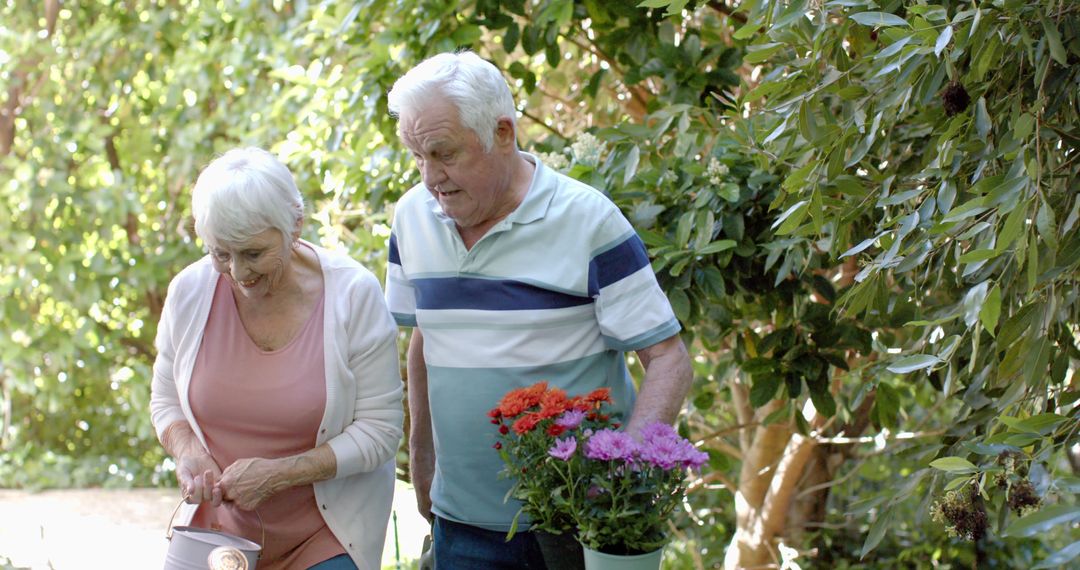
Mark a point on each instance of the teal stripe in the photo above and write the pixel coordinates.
(611, 244)
(404, 320)
(645, 339)
(525, 326)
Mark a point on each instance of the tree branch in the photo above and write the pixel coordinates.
(726, 10)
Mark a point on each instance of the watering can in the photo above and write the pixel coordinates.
(192, 548)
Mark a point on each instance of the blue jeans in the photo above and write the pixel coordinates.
(339, 562)
(460, 546)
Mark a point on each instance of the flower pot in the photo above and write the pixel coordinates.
(560, 551)
(595, 560)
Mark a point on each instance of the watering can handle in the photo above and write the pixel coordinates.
(169, 529)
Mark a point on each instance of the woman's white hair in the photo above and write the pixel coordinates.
(473, 85)
(245, 192)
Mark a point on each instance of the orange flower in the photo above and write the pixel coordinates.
(599, 395)
(553, 403)
(517, 401)
(527, 423)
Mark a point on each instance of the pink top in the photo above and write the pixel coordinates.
(254, 403)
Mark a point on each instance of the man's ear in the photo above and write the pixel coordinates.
(505, 134)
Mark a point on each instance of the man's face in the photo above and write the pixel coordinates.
(471, 185)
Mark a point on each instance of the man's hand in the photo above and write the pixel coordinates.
(668, 376)
(421, 442)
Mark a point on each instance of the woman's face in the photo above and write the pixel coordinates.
(255, 267)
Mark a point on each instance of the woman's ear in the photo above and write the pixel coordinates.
(296, 229)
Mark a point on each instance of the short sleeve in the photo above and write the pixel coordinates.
(400, 293)
(632, 310)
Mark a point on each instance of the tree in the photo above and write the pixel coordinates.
(876, 276)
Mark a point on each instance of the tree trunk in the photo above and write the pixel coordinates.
(774, 460)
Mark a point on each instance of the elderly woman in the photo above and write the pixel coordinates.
(276, 386)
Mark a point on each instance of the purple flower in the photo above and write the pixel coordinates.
(661, 446)
(608, 444)
(662, 453)
(570, 419)
(692, 458)
(563, 449)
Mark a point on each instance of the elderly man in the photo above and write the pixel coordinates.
(510, 273)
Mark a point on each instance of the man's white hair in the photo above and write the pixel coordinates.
(245, 192)
(474, 86)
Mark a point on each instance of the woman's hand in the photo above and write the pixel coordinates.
(249, 482)
(198, 475)
(196, 471)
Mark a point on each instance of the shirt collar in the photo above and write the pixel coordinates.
(532, 208)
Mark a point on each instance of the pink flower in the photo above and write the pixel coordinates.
(608, 444)
(661, 446)
(563, 449)
(570, 419)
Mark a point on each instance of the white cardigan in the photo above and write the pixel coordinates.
(363, 418)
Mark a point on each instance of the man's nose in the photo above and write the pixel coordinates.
(433, 174)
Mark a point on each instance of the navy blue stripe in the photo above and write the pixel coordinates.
(395, 257)
(617, 263)
(489, 295)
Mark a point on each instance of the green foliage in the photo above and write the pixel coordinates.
(940, 139)
(865, 206)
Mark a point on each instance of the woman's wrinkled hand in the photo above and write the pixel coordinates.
(199, 475)
(249, 482)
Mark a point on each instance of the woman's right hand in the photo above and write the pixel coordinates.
(198, 475)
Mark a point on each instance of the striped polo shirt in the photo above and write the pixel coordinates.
(556, 291)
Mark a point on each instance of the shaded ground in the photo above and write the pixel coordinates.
(86, 529)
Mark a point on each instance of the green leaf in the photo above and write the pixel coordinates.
(763, 389)
(1011, 228)
(1023, 126)
(956, 483)
(953, 464)
(982, 118)
(966, 210)
(822, 399)
(1053, 40)
(761, 52)
(1042, 424)
(1046, 224)
(746, 31)
(1043, 520)
(1060, 557)
(718, 246)
(978, 255)
(913, 363)
(943, 40)
(877, 531)
(879, 19)
(791, 218)
(680, 304)
(991, 310)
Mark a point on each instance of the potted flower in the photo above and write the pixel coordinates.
(530, 420)
(622, 491)
(575, 472)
